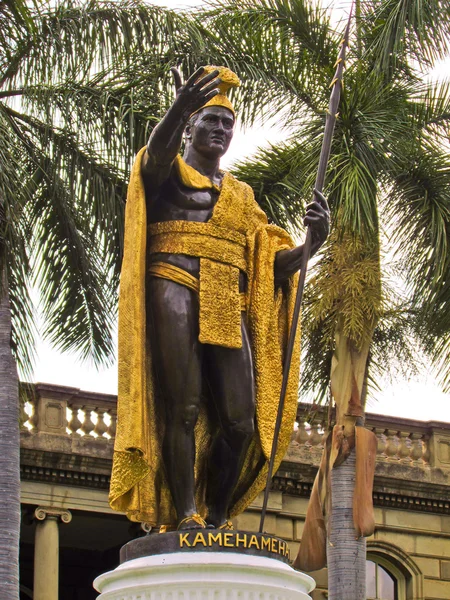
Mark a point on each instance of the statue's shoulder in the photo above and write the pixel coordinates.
(252, 212)
(240, 186)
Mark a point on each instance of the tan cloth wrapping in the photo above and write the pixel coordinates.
(138, 483)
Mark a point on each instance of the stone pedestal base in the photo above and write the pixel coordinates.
(204, 576)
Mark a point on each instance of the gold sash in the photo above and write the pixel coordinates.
(222, 254)
(165, 270)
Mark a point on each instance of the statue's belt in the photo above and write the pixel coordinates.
(222, 253)
(171, 272)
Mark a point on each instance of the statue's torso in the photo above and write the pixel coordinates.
(176, 202)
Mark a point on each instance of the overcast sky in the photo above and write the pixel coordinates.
(419, 398)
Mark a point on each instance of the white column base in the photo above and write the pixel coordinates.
(204, 576)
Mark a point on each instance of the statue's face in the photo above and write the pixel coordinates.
(211, 131)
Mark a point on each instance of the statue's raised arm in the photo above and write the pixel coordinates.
(165, 141)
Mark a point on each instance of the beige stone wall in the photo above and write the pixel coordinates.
(66, 451)
(417, 540)
(425, 538)
(417, 543)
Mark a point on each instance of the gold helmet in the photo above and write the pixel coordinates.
(228, 81)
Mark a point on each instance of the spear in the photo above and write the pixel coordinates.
(331, 117)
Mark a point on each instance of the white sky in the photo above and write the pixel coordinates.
(418, 398)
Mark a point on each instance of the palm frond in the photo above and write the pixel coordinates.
(74, 39)
(23, 330)
(432, 325)
(413, 28)
(15, 23)
(438, 348)
(14, 238)
(283, 50)
(77, 300)
(419, 213)
(430, 108)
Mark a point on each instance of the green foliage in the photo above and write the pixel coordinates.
(258, 41)
(397, 29)
(82, 84)
(388, 172)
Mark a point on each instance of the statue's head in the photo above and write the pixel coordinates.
(211, 128)
(210, 131)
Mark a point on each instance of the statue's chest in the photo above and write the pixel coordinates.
(178, 202)
(191, 199)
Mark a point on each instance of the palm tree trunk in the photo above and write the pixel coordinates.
(9, 458)
(346, 552)
(346, 555)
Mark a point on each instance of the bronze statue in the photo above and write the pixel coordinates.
(203, 318)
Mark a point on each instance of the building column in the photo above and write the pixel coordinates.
(46, 552)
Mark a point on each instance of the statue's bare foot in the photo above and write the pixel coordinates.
(194, 521)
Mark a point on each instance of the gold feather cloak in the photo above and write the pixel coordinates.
(138, 482)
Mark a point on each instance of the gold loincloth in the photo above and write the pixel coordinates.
(165, 270)
(222, 252)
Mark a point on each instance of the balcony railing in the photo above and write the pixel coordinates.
(70, 420)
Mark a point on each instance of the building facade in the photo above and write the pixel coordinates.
(70, 535)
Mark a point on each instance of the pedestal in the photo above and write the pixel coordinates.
(211, 572)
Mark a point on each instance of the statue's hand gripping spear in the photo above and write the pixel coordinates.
(336, 86)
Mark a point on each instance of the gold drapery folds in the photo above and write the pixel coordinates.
(138, 482)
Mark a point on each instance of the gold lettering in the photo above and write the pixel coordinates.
(215, 538)
(274, 545)
(288, 553)
(281, 547)
(199, 538)
(227, 540)
(184, 540)
(265, 543)
(242, 540)
(253, 542)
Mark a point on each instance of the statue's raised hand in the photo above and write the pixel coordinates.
(196, 92)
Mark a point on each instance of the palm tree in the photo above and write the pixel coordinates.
(80, 89)
(389, 191)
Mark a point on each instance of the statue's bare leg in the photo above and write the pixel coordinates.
(173, 319)
(231, 379)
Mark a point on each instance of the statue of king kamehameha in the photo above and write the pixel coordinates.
(206, 298)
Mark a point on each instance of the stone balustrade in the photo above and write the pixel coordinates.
(68, 411)
(70, 420)
(402, 441)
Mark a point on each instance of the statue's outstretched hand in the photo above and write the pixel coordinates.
(196, 92)
(318, 218)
